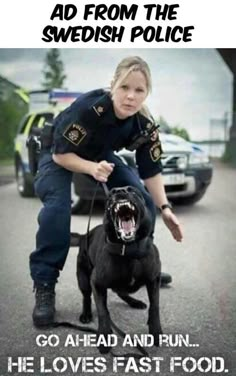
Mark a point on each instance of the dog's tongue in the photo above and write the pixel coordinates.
(127, 225)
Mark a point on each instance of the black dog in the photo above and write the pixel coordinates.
(120, 255)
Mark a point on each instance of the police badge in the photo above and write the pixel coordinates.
(155, 151)
(75, 133)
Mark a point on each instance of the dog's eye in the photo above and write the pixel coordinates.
(135, 191)
(130, 189)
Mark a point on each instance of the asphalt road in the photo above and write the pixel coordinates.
(200, 303)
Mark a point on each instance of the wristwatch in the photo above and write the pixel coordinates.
(165, 206)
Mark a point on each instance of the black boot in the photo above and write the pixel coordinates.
(165, 279)
(44, 310)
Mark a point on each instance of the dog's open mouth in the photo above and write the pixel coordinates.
(125, 216)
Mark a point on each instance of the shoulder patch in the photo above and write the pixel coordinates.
(102, 104)
(75, 133)
(155, 151)
(99, 110)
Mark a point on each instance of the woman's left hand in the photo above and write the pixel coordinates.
(173, 224)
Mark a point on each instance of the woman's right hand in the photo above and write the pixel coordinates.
(102, 170)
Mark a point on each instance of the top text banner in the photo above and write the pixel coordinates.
(117, 24)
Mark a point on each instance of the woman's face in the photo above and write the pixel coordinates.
(129, 96)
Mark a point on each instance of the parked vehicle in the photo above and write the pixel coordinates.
(187, 171)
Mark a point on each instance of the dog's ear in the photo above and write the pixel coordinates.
(137, 192)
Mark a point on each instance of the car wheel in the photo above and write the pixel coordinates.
(190, 200)
(78, 205)
(24, 184)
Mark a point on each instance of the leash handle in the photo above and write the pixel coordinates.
(105, 188)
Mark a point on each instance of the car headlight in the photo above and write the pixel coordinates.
(182, 162)
(198, 159)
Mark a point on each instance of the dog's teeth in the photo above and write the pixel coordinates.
(131, 206)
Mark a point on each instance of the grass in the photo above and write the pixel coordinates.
(7, 167)
(6, 162)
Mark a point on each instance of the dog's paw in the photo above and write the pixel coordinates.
(86, 318)
(104, 349)
(135, 303)
(139, 305)
(156, 338)
(103, 341)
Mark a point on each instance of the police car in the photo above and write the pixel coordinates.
(187, 171)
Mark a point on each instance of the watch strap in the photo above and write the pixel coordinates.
(165, 206)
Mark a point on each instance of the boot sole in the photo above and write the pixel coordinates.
(43, 322)
(165, 281)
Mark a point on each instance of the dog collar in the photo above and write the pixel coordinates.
(134, 250)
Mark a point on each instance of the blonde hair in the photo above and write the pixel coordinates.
(124, 68)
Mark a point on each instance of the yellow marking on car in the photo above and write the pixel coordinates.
(28, 126)
(18, 146)
(41, 122)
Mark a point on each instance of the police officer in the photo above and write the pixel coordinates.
(85, 137)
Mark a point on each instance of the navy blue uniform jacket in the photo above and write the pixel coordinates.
(89, 128)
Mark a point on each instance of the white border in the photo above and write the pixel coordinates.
(22, 23)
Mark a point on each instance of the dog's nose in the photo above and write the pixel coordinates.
(113, 191)
(126, 189)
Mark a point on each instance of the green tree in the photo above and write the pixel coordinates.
(177, 130)
(164, 126)
(181, 132)
(53, 71)
(11, 114)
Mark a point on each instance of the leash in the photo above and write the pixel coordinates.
(106, 191)
(67, 324)
(128, 355)
(105, 188)
(88, 329)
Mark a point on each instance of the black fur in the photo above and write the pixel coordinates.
(102, 266)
